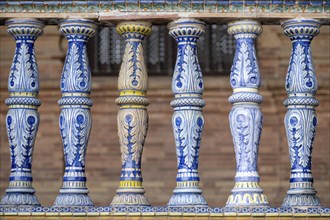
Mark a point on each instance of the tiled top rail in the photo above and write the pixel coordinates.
(165, 10)
(165, 211)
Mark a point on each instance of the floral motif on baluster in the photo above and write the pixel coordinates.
(24, 71)
(132, 131)
(76, 63)
(188, 134)
(22, 128)
(300, 120)
(301, 76)
(245, 71)
(133, 66)
(187, 72)
(246, 127)
(75, 129)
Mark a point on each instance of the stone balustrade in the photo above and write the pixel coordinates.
(245, 118)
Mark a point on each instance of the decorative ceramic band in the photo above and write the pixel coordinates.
(75, 118)
(300, 119)
(188, 120)
(245, 117)
(132, 116)
(22, 118)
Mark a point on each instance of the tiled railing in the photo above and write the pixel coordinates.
(247, 196)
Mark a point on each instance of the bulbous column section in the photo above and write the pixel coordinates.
(132, 118)
(75, 119)
(245, 117)
(22, 118)
(187, 120)
(300, 119)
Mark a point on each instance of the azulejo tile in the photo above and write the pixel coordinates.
(235, 6)
(106, 6)
(92, 6)
(197, 6)
(263, 6)
(39, 6)
(159, 5)
(146, 5)
(53, 6)
(119, 5)
(211, 6)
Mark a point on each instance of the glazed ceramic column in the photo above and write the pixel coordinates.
(300, 120)
(22, 117)
(187, 120)
(246, 117)
(132, 118)
(75, 119)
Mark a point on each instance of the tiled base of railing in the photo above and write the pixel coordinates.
(155, 212)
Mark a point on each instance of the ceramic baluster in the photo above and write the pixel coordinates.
(246, 117)
(300, 119)
(22, 118)
(187, 120)
(75, 119)
(132, 118)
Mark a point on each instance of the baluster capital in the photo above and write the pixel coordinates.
(25, 29)
(245, 29)
(78, 29)
(134, 29)
(186, 29)
(301, 29)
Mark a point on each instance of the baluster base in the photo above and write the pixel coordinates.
(248, 195)
(130, 196)
(73, 199)
(19, 199)
(187, 197)
(129, 199)
(300, 199)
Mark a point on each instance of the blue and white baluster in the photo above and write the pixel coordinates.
(246, 117)
(132, 118)
(22, 117)
(187, 120)
(75, 119)
(300, 119)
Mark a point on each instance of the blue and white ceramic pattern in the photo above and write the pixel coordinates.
(187, 120)
(132, 117)
(75, 118)
(300, 119)
(22, 118)
(246, 117)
